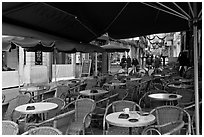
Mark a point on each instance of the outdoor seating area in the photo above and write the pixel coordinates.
(101, 68)
(100, 110)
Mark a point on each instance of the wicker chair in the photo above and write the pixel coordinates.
(122, 93)
(3, 98)
(118, 106)
(83, 109)
(187, 99)
(147, 104)
(44, 95)
(191, 110)
(4, 108)
(54, 112)
(13, 103)
(43, 131)
(166, 114)
(91, 83)
(99, 111)
(174, 128)
(132, 87)
(9, 128)
(61, 121)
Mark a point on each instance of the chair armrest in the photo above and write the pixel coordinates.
(87, 120)
(176, 126)
(49, 122)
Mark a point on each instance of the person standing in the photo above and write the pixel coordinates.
(183, 62)
(135, 63)
(129, 62)
(123, 61)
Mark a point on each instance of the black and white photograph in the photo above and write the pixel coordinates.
(101, 68)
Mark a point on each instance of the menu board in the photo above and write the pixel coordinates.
(38, 58)
(86, 67)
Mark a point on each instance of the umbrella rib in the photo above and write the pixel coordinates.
(116, 16)
(164, 10)
(199, 15)
(191, 9)
(75, 17)
(172, 10)
(182, 10)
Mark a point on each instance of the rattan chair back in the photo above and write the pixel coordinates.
(4, 108)
(3, 98)
(83, 107)
(48, 94)
(166, 114)
(54, 112)
(187, 97)
(9, 128)
(15, 102)
(122, 93)
(43, 131)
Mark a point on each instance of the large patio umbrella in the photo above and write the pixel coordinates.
(115, 47)
(33, 45)
(118, 19)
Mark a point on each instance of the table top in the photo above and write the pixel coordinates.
(115, 84)
(186, 80)
(135, 79)
(88, 92)
(30, 88)
(125, 75)
(165, 96)
(40, 107)
(114, 119)
(180, 86)
(160, 75)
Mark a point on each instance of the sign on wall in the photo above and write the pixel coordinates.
(86, 67)
(38, 58)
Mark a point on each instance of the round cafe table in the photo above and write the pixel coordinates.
(186, 80)
(134, 79)
(185, 86)
(115, 84)
(39, 107)
(113, 119)
(30, 89)
(88, 92)
(92, 95)
(165, 97)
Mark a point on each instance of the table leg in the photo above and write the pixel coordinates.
(130, 130)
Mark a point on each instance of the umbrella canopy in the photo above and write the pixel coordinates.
(72, 47)
(32, 45)
(115, 47)
(29, 44)
(85, 21)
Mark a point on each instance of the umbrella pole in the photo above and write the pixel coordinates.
(96, 64)
(196, 78)
(55, 62)
(196, 68)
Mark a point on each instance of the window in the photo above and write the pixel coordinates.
(63, 58)
(10, 60)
